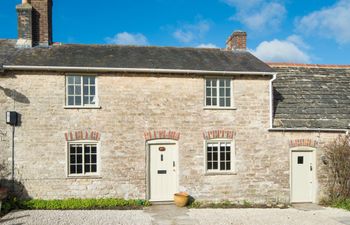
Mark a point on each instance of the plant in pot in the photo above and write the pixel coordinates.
(181, 199)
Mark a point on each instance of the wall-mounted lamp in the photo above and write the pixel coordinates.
(12, 118)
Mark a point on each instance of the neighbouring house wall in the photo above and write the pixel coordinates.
(130, 105)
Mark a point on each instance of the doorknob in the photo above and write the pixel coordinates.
(173, 163)
(310, 167)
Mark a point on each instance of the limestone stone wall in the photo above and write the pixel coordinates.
(130, 105)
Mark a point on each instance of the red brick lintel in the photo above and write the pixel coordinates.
(82, 135)
(161, 134)
(302, 142)
(214, 134)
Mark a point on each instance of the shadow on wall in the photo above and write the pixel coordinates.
(16, 189)
(15, 95)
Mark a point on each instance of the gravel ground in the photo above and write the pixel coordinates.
(325, 216)
(70, 217)
(167, 215)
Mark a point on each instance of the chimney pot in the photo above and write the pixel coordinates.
(237, 41)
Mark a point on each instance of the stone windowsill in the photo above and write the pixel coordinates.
(219, 173)
(219, 108)
(85, 177)
(82, 107)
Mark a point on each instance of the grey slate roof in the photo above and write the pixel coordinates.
(117, 56)
(312, 97)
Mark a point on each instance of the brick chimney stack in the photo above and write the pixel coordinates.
(25, 35)
(37, 25)
(237, 41)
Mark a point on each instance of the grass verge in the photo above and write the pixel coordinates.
(74, 204)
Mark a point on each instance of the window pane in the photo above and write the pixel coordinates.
(222, 92)
(72, 159)
(92, 90)
(222, 166)
(215, 156)
(93, 149)
(87, 158)
(213, 83)
(228, 102)
(93, 168)
(215, 165)
(71, 100)
(87, 169)
(208, 101)
(93, 159)
(87, 149)
(209, 166)
(77, 90)
(222, 83)
(79, 169)
(70, 79)
(92, 80)
(86, 80)
(228, 92)
(79, 159)
(228, 156)
(72, 169)
(214, 92)
(228, 165)
(70, 90)
(92, 100)
(86, 90)
(86, 100)
(222, 102)
(79, 149)
(208, 92)
(222, 155)
(77, 80)
(209, 156)
(214, 101)
(77, 100)
(207, 82)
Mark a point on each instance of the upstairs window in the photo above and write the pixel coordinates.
(218, 92)
(81, 91)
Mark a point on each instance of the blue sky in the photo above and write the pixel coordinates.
(312, 31)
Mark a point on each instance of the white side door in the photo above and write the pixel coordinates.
(163, 174)
(302, 176)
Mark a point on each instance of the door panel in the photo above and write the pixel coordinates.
(163, 161)
(302, 176)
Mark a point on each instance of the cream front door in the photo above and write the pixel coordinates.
(302, 176)
(163, 174)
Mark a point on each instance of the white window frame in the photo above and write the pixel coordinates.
(217, 106)
(232, 156)
(82, 105)
(98, 160)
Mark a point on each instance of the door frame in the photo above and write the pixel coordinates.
(314, 187)
(148, 164)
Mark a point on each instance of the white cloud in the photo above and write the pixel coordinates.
(331, 22)
(209, 45)
(258, 15)
(191, 32)
(282, 51)
(126, 38)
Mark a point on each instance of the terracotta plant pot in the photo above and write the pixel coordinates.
(3, 193)
(181, 199)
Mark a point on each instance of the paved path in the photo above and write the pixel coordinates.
(171, 215)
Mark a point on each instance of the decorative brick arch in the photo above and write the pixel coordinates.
(214, 134)
(302, 143)
(82, 135)
(161, 134)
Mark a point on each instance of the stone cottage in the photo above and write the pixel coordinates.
(100, 121)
